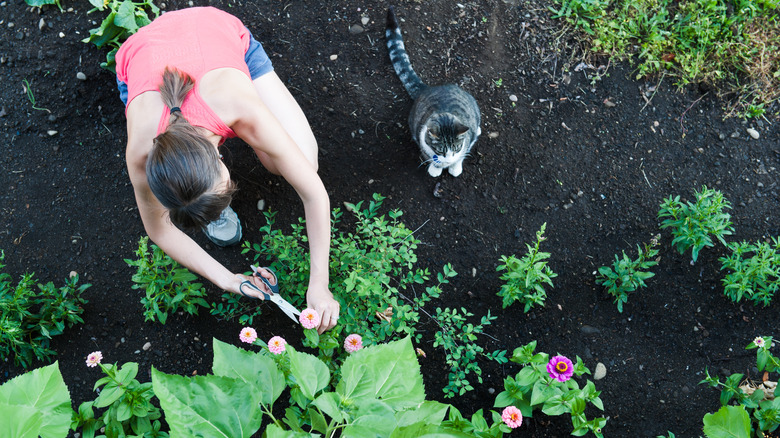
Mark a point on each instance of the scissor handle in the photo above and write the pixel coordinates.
(249, 283)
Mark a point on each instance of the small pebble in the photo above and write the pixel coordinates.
(147, 346)
(41, 24)
(753, 133)
(355, 29)
(493, 134)
(513, 98)
(601, 371)
(81, 76)
(364, 20)
(261, 205)
(51, 132)
(61, 35)
(334, 57)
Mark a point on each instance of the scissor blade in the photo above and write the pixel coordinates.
(288, 308)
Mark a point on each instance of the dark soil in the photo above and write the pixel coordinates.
(592, 160)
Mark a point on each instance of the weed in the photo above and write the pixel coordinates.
(525, 277)
(693, 223)
(29, 318)
(457, 338)
(757, 277)
(168, 286)
(31, 96)
(628, 275)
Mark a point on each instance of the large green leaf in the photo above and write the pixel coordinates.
(311, 373)
(208, 406)
(372, 418)
(20, 421)
(389, 372)
(43, 391)
(255, 369)
(728, 422)
(429, 412)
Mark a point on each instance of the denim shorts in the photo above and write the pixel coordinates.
(256, 59)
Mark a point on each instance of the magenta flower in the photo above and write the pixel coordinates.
(94, 359)
(248, 335)
(759, 341)
(353, 343)
(277, 345)
(420, 352)
(512, 417)
(309, 319)
(560, 368)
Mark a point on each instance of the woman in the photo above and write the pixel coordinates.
(189, 80)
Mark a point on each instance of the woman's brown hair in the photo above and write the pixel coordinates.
(183, 167)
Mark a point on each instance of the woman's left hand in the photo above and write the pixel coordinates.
(321, 300)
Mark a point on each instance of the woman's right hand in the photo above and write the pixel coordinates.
(246, 290)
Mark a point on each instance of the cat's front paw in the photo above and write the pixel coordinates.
(433, 170)
(456, 169)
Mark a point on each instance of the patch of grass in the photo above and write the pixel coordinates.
(732, 45)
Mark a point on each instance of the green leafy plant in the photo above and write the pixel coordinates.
(525, 277)
(30, 318)
(581, 13)
(627, 275)
(168, 286)
(457, 337)
(379, 393)
(535, 388)
(757, 277)
(693, 224)
(757, 406)
(124, 18)
(372, 274)
(35, 404)
(129, 412)
(694, 41)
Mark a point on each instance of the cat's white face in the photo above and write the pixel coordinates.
(441, 154)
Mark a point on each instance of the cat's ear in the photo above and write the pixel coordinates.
(461, 129)
(433, 130)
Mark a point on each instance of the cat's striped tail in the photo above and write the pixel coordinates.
(399, 58)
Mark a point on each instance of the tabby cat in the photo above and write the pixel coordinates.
(444, 120)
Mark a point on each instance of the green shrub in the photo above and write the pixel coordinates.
(373, 276)
(168, 286)
(29, 318)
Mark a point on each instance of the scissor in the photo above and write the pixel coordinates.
(274, 296)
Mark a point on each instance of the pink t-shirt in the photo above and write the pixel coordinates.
(194, 41)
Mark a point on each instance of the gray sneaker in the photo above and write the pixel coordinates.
(226, 230)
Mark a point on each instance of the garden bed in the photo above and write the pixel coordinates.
(592, 159)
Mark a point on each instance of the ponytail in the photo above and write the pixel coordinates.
(183, 168)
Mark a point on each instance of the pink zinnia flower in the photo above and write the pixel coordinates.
(248, 335)
(94, 359)
(759, 341)
(512, 417)
(310, 319)
(276, 345)
(560, 368)
(353, 343)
